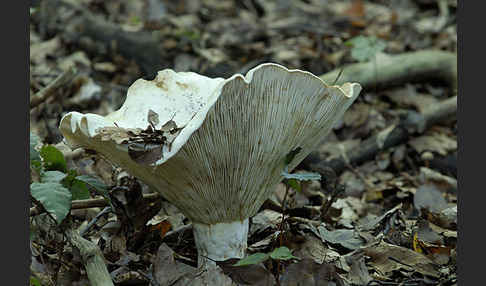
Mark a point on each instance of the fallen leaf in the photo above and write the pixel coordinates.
(167, 271)
(212, 275)
(87, 93)
(356, 11)
(354, 186)
(358, 274)
(435, 142)
(309, 273)
(75, 58)
(426, 234)
(385, 258)
(429, 176)
(153, 118)
(377, 221)
(357, 115)
(348, 215)
(345, 237)
(264, 243)
(39, 51)
(252, 274)
(105, 67)
(430, 199)
(431, 244)
(446, 218)
(263, 220)
(315, 249)
(163, 227)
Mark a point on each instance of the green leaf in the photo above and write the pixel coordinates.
(53, 158)
(291, 155)
(80, 190)
(94, 183)
(36, 165)
(53, 177)
(252, 259)
(34, 141)
(307, 176)
(134, 20)
(34, 281)
(282, 253)
(294, 184)
(54, 197)
(365, 48)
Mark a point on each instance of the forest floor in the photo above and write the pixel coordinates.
(385, 210)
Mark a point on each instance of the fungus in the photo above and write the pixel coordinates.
(215, 148)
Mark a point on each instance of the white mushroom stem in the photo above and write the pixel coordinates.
(220, 241)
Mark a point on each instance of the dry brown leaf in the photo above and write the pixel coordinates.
(386, 258)
(431, 244)
(314, 249)
(307, 272)
(430, 199)
(446, 218)
(263, 220)
(253, 274)
(435, 142)
(357, 115)
(376, 222)
(358, 274)
(73, 59)
(346, 238)
(39, 51)
(167, 270)
(429, 176)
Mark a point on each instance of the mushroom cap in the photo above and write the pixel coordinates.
(229, 139)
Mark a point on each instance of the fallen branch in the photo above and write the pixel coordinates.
(391, 70)
(389, 137)
(94, 34)
(93, 259)
(91, 203)
(146, 48)
(52, 87)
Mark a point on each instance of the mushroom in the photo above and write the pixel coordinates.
(215, 147)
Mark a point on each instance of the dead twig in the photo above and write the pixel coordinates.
(336, 193)
(42, 95)
(94, 220)
(91, 203)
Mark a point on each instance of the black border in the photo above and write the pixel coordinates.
(471, 167)
(15, 202)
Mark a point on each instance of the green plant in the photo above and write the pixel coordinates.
(281, 253)
(365, 48)
(57, 185)
(293, 181)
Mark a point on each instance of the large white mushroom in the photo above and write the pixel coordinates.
(215, 148)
